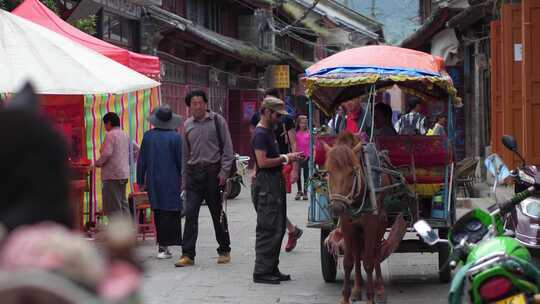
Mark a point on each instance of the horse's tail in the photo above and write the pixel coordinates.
(334, 242)
(396, 234)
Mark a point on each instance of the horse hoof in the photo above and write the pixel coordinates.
(356, 295)
(344, 301)
(380, 299)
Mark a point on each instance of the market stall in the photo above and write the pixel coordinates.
(78, 86)
(37, 12)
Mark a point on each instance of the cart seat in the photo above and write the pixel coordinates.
(320, 153)
(428, 154)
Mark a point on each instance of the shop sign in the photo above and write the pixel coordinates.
(126, 7)
(280, 75)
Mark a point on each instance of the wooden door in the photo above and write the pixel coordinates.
(531, 80)
(497, 106)
(238, 123)
(512, 77)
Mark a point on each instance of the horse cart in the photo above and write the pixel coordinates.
(421, 167)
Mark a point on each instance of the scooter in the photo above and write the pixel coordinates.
(525, 218)
(496, 268)
(234, 184)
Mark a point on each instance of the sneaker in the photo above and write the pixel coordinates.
(298, 196)
(184, 261)
(164, 253)
(293, 238)
(224, 258)
(304, 197)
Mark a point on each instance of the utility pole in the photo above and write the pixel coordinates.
(373, 9)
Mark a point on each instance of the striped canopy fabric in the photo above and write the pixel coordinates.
(133, 109)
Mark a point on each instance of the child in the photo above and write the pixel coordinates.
(438, 128)
(302, 145)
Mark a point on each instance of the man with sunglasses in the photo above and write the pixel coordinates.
(268, 193)
(285, 133)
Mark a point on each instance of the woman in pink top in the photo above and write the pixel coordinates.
(302, 146)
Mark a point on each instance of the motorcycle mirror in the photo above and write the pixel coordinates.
(426, 232)
(510, 143)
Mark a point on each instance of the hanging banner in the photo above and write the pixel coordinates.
(249, 108)
(280, 76)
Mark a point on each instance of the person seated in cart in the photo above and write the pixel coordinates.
(383, 120)
(414, 122)
(352, 118)
(439, 127)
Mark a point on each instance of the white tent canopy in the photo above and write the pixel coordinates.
(57, 65)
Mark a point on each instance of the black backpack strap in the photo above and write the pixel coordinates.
(188, 143)
(220, 140)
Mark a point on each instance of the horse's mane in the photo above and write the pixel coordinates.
(341, 158)
(346, 138)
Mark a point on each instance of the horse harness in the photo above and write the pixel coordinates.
(357, 191)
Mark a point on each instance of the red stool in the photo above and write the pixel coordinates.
(146, 226)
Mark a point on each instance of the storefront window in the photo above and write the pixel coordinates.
(207, 13)
(118, 30)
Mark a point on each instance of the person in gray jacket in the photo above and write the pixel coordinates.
(207, 156)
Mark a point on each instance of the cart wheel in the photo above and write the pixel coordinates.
(233, 190)
(328, 261)
(445, 275)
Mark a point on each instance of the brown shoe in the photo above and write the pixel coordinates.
(224, 258)
(184, 261)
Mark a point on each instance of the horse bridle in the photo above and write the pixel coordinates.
(356, 187)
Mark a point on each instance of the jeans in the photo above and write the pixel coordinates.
(203, 184)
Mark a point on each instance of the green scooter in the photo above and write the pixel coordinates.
(495, 268)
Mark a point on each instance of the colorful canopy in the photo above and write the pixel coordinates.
(354, 72)
(36, 12)
(57, 65)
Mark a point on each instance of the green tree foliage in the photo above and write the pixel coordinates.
(87, 25)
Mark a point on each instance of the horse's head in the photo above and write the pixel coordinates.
(345, 177)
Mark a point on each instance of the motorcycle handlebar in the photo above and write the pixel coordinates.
(455, 257)
(518, 198)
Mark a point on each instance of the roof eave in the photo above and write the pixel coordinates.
(471, 15)
(236, 48)
(433, 24)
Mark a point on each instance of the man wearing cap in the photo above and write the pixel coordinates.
(268, 193)
(159, 170)
(208, 158)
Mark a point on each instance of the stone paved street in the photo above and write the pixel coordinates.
(410, 278)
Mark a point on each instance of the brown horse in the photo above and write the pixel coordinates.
(363, 236)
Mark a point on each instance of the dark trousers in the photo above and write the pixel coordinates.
(303, 171)
(203, 184)
(269, 199)
(114, 197)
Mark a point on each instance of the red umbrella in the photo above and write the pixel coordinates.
(380, 57)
